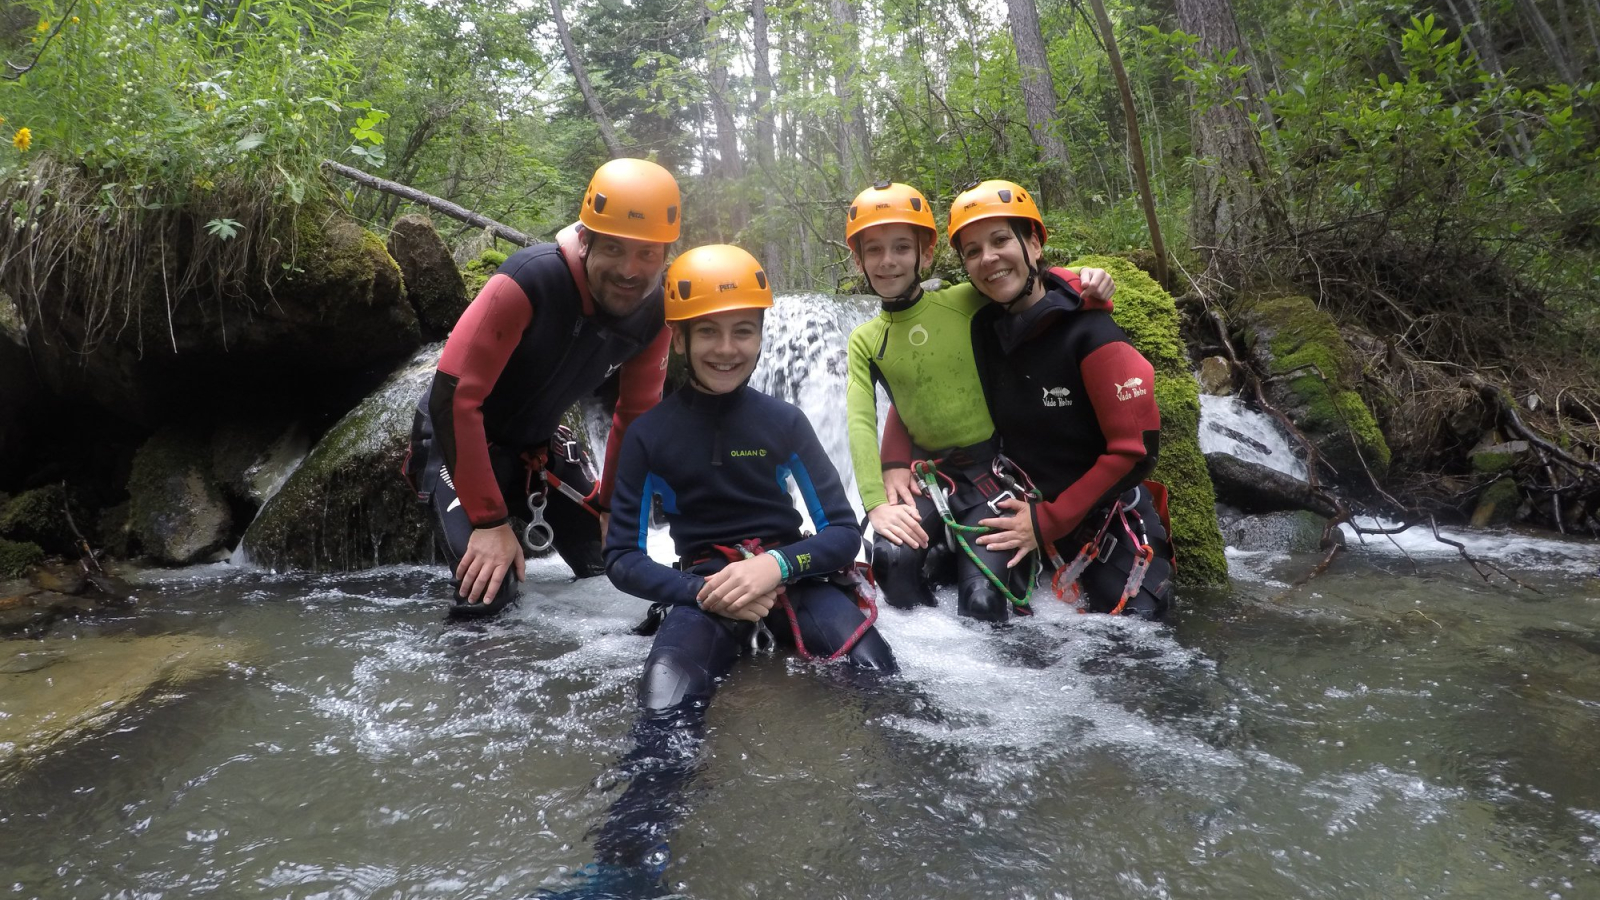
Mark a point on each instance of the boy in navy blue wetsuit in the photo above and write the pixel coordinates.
(720, 455)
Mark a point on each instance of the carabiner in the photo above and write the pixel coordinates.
(538, 536)
(761, 640)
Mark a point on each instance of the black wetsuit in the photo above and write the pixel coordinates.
(530, 345)
(1074, 405)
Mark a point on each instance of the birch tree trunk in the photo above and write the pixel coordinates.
(608, 133)
(1039, 95)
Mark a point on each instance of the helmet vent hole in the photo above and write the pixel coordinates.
(761, 279)
(599, 202)
(916, 204)
(685, 286)
(1005, 196)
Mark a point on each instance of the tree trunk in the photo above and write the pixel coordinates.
(1135, 142)
(1547, 39)
(766, 133)
(729, 162)
(1039, 95)
(1230, 207)
(854, 144)
(581, 75)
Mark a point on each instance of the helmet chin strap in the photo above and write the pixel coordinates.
(1017, 228)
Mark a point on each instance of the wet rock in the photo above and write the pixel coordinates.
(61, 578)
(478, 270)
(1254, 488)
(176, 508)
(1492, 458)
(346, 506)
(1216, 376)
(1293, 532)
(1312, 374)
(84, 684)
(39, 516)
(1497, 505)
(433, 283)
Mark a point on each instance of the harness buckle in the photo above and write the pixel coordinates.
(994, 505)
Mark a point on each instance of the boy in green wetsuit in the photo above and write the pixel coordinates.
(919, 347)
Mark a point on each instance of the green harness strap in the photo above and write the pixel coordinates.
(928, 471)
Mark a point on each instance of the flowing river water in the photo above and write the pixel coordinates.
(1398, 728)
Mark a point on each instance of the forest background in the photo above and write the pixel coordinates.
(1428, 172)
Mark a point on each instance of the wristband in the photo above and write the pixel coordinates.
(783, 564)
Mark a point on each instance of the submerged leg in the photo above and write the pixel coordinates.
(692, 651)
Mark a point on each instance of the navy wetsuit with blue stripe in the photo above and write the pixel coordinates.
(722, 465)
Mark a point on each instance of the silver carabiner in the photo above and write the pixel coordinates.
(761, 640)
(995, 503)
(538, 536)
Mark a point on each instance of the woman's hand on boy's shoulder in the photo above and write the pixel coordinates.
(1096, 284)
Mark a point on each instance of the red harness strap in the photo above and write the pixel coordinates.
(751, 548)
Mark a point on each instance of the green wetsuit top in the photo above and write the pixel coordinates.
(923, 358)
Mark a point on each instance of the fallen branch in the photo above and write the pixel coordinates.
(19, 71)
(437, 204)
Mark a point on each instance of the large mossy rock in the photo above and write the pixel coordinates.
(1148, 315)
(39, 517)
(1311, 376)
(346, 507)
(176, 508)
(433, 283)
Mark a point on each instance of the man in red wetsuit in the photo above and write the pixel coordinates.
(554, 322)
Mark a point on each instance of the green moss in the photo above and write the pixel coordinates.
(476, 273)
(1491, 463)
(16, 557)
(39, 517)
(1148, 315)
(1498, 504)
(1305, 347)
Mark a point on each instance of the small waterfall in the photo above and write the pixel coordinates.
(803, 361)
(1228, 426)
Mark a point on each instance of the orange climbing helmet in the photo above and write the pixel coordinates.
(715, 278)
(632, 198)
(994, 199)
(887, 202)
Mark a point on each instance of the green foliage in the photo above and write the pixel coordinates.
(166, 101)
(17, 557)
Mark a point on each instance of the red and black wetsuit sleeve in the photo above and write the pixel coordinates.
(1120, 384)
(638, 389)
(473, 358)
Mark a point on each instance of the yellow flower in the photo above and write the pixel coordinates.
(74, 20)
(44, 25)
(22, 140)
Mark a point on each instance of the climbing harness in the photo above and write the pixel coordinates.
(928, 472)
(539, 536)
(1065, 582)
(761, 639)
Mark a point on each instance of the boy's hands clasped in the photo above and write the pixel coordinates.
(745, 590)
